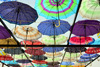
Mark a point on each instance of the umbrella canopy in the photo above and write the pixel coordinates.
(72, 55)
(92, 50)
(56, 54)
(4, 33)
(18, 13)
(49, 40)
(13, 51)
(91, 13)
(14, 65)
(20, 56)
(51, 59)
(9, 62)
(53, 65)
(48, 27)
(86, 27)
(40, 65)
(96, 42)
(88, 56)
(39, 61)
(7, 0)
(23, 61)
(51, 8)
(32, 42)
(27, 32)
(83, 60)
(53, 49)
(66, 66)
(75, 49)
(6, 57)
(67, 63)
(81, 40)
(40, 57)
(2, 52)
(8, 41)
(34, 52)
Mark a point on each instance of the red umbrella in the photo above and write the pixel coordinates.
(92, 50)
(39, 61)
(6, 57)
(34, 52)
(33, 42)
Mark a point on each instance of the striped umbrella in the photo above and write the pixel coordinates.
(51, 8)
(90, 9)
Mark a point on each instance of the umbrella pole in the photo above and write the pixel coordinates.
(74, 20)
(2, 65)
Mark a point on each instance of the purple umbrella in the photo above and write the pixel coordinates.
(23, 61)
(4, 33)
(86, 27)
(18, 13)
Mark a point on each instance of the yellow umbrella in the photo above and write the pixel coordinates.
(8, 41)
(66, 66)
(2, 52)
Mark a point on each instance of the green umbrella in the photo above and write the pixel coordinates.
(90, 9)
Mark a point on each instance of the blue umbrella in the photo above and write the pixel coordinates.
(67, 63)
(96, 42)
(23, 61)
(53, 49)
(89, 56)
(52, 27)
(9, 62)
(84, 60)
(18, 13)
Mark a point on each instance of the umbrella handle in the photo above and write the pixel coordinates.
(80, 53)
(58, 25)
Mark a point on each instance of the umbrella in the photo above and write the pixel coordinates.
(92, 50)
(27, 64)
(39, 61)
(49, 28)
(72, 55)
(66, 66)
(4, 33)
(51, 8)
(53, 49)
(81, 40)
(34, 52)
(40, 65)
(32, 42)
(96, 42)
(2, 52)
(86, 27)
(51, 59)
(27, 32)
(8, 41)
(67, 63)
(56, 54)
(13, 51)
(40, 57)
(90, 9)
(51, 63)
(49, 40)
(6, 57)
(75, 49)
(20, 56)
(8, 0)
(14, 65)
(88, 56)
(23, 61)
(9, 62)
(18, 13)
(83, 60)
